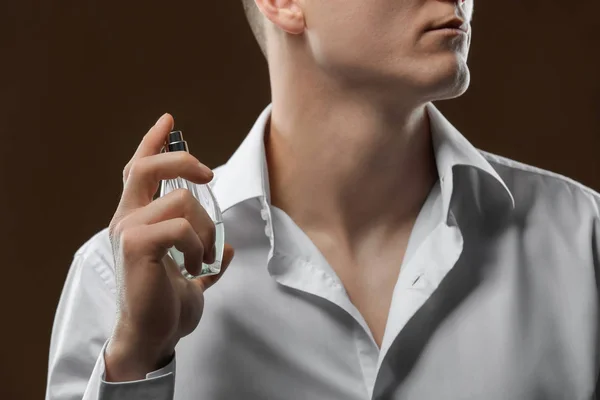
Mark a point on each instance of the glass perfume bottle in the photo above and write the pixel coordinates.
(205, 197)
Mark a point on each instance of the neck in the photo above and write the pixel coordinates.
(345, 161)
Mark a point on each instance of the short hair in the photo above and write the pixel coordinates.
(255, 19)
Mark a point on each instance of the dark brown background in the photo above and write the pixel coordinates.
(82, 81)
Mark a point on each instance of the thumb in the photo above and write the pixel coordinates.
(206, 282)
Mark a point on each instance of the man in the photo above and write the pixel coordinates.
(378, 253)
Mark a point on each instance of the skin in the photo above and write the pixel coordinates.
(350, 80)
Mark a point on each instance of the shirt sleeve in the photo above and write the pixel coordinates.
(596, 261)
(596, 248)
(82, 326)
(158, 385)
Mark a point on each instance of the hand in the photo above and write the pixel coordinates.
(156, 304)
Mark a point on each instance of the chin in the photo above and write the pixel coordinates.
(453, 87)
(445, 79)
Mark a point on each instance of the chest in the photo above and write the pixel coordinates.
(368, 270)
(498, 327)
(370, 282)
(281, 344)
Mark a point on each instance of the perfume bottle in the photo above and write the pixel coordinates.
(205, 197)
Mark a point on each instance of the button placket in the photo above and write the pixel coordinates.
(265, 214)
(368, 354)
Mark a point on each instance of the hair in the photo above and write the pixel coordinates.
(255, 19)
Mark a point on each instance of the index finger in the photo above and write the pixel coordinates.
(152, 142)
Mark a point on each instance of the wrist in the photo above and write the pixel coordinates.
(125, 361)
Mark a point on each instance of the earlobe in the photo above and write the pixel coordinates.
(285, 14)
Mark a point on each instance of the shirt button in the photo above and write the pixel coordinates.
(268, 231)
(264, 214)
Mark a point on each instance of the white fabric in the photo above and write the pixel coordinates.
(496, 298)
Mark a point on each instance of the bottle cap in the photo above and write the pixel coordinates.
(175, 142)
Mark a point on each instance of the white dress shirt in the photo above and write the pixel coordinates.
(497, 297)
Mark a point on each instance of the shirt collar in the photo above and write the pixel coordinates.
(245, 175)
(462, 167)
(459, 164)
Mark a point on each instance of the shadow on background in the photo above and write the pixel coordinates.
(83, 81)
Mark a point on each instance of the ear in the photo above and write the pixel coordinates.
(285, 14)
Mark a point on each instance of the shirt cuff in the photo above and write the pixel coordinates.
(158, 385)
(167, 369)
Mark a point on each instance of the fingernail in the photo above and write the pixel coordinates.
(206, 170)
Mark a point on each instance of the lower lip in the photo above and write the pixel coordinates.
(449, 31)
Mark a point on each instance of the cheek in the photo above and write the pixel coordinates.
(339, 33)
(360, 39)
(357, 31)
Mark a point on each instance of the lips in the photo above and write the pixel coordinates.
(453, 23)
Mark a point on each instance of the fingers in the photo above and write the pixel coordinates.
(152, 142)
(206, 282)
(177, 204)
(142, 241)
(149, 228)
(146, 173)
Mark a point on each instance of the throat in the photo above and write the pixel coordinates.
(368, 272)
(359, 177)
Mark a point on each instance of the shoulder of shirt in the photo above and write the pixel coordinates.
(554, 183)
(95, 254)
(98, 244)
(97, 250)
